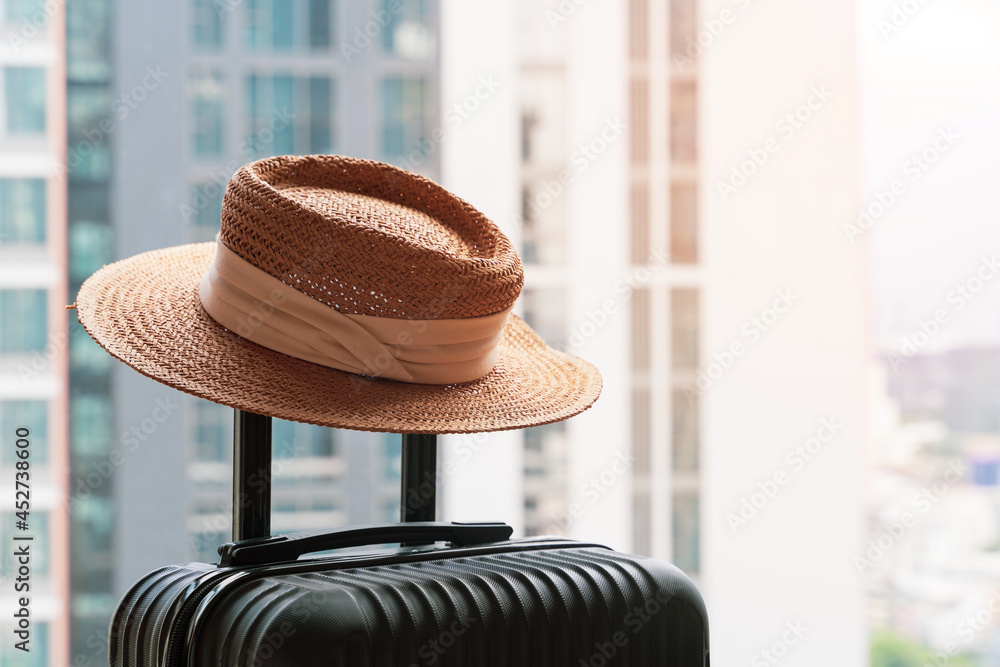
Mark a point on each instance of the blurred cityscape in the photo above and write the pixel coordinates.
(678, 194)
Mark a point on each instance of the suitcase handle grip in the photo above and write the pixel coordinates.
(278, 548)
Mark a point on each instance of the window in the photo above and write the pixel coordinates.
(641, 328)
(684, 443)
(545, 312)
(639, 213)
(638, 11)
(207, 91)
(88, 41)
(288, 25)
(684, 223)
(392, 459)
(686, 533)
(639, 119)
(206, 23)
(89, 122)
(19, 10)
(205, 544)
(546, 497)
(289, 115)
(90, 415)
(23, 321)
(205, 213)
(213, 431)
(292, 439)
(85, 355)
(24, 92)
(683, 121)
(543, 213)
(683, 18)
(409, 33)
(91, 248)
(684, 328)
(406, 116)
(32, 415)
(22, 210)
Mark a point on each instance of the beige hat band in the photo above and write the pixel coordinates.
(257, 306)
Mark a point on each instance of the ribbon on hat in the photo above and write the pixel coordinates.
(257, 306)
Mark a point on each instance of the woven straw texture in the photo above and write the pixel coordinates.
(145, 311)
(320, 222)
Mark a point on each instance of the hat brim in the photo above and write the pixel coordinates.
(145, 311)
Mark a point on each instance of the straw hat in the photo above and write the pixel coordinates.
(346, 293)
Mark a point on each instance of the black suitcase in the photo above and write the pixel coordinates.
(481, 599)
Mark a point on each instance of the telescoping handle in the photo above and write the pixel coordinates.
(280, 548)
(252, 477)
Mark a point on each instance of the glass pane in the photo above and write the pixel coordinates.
(32, 415)
(684, 328)
(22, 210)
(320, 103)
(641, 330)
(408, 33)
(19, 10)
(319, 24)
(406, 114)
(684, 223)
(89, 122)
(393, 118)
(684, 414)
(273, 102)
(287, 25)
(683, 16)
(257, 29)
(638, 28)
(23, 321)
(24, 91)
(90, 415)
(545, 312)
(639, 210)
(392, 461)
(639, 108)
(205, 213)
(205, 544)
(546, 496)
(284, 98)
(282, 18)
(544, 215)
(293, 440)
(206, 23)
(213, 431)
(686, 533)
(88, 41)
(85, 355)
(90, 248)
(683, 121)
(207, 92)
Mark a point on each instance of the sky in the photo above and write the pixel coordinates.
(930, 72)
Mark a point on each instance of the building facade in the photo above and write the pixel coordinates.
(33, 337)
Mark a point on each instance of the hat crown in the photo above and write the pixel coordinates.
(366, 238)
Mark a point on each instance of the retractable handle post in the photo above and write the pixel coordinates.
(252, 477)
(418, 482)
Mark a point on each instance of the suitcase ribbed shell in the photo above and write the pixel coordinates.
(538, 607)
